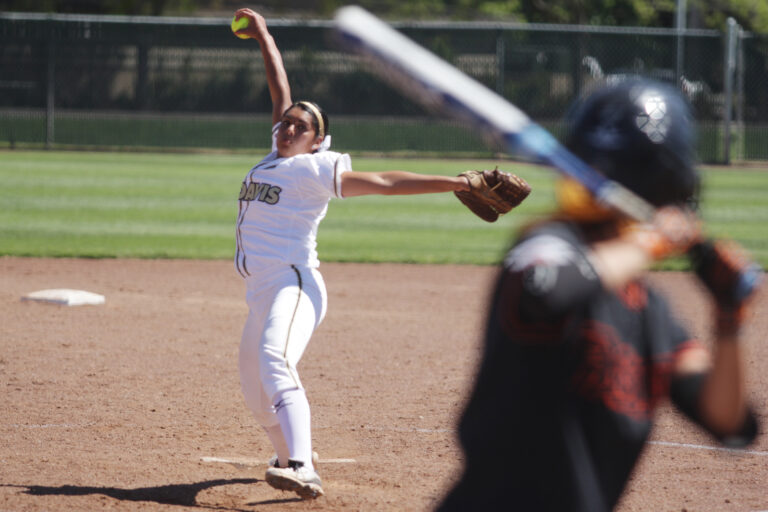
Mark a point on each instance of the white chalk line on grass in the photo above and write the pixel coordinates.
(251, 462)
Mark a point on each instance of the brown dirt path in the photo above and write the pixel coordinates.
(118, 406)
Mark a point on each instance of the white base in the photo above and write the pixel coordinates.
(66, 297)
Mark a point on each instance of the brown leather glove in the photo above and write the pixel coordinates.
(492, 193)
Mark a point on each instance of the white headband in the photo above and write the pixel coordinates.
(318, 116)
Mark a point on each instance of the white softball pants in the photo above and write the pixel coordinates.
(286, 307)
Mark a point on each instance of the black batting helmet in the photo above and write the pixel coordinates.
(639, 133)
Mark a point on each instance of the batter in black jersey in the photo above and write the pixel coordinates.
(578, 350)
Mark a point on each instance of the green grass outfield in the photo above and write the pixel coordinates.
(184, 205)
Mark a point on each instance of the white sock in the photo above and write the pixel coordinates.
(275, 435)
(292, 410)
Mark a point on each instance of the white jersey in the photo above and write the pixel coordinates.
(282, 201)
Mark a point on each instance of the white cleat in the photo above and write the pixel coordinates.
(297, 478)
(272, 463)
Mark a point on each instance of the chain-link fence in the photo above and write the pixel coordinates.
(149, 82)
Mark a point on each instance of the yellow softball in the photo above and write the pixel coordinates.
(239, 24)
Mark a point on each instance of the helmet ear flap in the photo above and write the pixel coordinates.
(639, 133)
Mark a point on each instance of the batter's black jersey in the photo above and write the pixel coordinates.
(568, 383)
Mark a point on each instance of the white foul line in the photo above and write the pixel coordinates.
(244, 462)
(711, 448)
(660, 443)
(250, 462)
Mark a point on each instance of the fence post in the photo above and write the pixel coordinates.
(740, 96)
(680, 24)
(50, 91)
(500, 58)
(729, 68)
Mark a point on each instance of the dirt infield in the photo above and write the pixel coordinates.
(135, 404)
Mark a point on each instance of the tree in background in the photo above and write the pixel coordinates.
(129, 7)
(750, 14)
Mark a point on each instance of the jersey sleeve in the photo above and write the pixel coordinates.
(550, 274)
(342, 164)
(326, 169)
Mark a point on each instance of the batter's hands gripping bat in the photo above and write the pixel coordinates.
(442, 88)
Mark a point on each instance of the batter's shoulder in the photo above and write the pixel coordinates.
(567, 232)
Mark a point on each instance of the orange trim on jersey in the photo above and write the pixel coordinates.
(614, 374)
(691, 344)
(634, 296)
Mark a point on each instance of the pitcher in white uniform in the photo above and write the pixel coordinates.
(282, 201)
